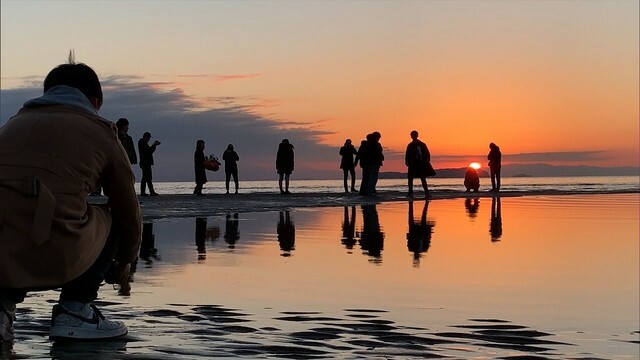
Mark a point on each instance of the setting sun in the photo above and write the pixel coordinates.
(475, 165)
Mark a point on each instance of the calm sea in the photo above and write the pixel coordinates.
(528, 184)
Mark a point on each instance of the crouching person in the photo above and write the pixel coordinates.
(54, 152)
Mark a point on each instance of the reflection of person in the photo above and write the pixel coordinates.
(419, 233)
(375, 158)
(198, 165)
(371, 237)
(471, 180)
(50, 236)
(286, 233)
(495, 164)
(231, 233)
(146, 162)
(495, 226)
(418, 161)
(472, 205)
(231, 159)
(148, 251)
(349, 228)
(347, 165)
(201, 235)
(284, 164)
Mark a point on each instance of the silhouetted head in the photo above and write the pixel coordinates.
(230, 147)
(414, 134)
(123, 125)
(285, 141)
(493, 146)
(79, 76)
(200, 145)
(146, 136)
(376, 136)
(347, 142)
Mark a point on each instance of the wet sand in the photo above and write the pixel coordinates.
(164, 206)
(205, 331)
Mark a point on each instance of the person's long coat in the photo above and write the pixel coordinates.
(198, 164)
(284, 159)
(347, 152)
(51, 235)
(127, 143)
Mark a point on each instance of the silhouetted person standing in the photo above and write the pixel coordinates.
(471, 180)
(418, 161)
(231, 233)
(198, 165)
(231, 159)
(349, 228)
(286, 233)
(495, 227)
(419, 233)
(347, 164)
(375, 158)
(362, 158)
(495, 163)
(284, 164)
(125, 139)
(146, 162)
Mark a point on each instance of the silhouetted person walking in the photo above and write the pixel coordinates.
(495, 163)
(375, 158)
(198, 165)
(418, 161)
(286, 233)
(362, 157)
(231, 159)
(347, 164)
(146, 162)
(284, 164)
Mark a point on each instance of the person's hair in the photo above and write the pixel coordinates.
(76, 75)
(285, 141)
(230, 147)
(414, 133)
(199, 142)
(122, 122)
(146, 134)
(348, 141)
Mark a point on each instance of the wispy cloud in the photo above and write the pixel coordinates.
(535, 157)
(221, 78)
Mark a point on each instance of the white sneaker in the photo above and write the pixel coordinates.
(87, 323)
(7, 317)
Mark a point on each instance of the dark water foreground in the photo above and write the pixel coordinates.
(537, 277)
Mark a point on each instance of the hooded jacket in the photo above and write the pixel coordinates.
(54, 152)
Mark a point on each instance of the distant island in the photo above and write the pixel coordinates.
(530, 170)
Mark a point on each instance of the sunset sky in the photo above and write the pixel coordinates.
(548, 81)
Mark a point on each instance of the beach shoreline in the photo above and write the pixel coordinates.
(182, 205)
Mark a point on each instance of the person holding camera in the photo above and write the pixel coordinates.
(146, 161)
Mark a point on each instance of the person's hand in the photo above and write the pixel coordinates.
(121, 273)
(156, 142)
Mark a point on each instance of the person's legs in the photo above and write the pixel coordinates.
(150, 184)
(235, 179)
(227, 178)
(493, 178)
(280, 177)
(345, 177)
(286, 183)
(373, 179)
(75, 317)
(498, 179)
(410, 186)
(352, 171)
(198, 189)
(425, 186)
(364, 182)
(8, 300)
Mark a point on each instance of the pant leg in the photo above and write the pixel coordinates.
(364, 182)
(373, 179)
(85, 287)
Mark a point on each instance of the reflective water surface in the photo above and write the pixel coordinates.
(460, 277)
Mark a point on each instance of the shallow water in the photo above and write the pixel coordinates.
(553, 276)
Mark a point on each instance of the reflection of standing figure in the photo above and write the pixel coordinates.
(349, 228)
(495, 164)
(231, 233)
(362, 157)
(347, 165)
(284, 164)
(286, 233)
(148, 252)
(495, 226)
(472, 206)
(201, 235)
(372, 237)
(419, 234)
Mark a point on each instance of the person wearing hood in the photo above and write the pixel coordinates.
(495, 164)
(50, 236)
(284, 164)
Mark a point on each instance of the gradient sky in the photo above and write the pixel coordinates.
(548, 81)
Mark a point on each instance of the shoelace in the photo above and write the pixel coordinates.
(97, 312)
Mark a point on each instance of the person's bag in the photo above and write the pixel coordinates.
(211, 163)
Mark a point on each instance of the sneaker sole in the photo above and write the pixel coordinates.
(62, 332)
